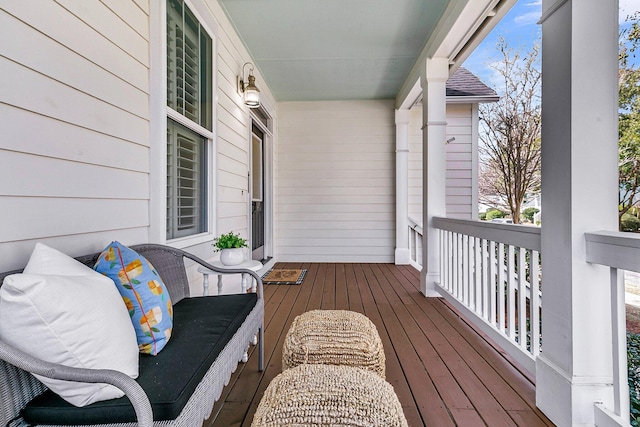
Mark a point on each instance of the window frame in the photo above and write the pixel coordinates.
(187, 183)
(160, 113)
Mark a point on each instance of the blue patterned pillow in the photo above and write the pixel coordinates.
(145, 295)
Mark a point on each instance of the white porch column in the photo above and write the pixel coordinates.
(579, 194)
(402, 255)
(434, 113)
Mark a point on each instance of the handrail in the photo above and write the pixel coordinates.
(414, 225)
(614, 249)
(522, 236)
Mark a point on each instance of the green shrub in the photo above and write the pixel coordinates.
(495, 213)
(629, 223)
(633, 370)
(482, 216)
(529, 213)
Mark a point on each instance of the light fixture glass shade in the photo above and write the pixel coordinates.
(251, 93)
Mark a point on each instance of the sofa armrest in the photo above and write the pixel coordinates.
(229, 271)
(128, 385)
(169, 262)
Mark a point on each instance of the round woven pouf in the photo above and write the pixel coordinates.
(334, 337)
(329, 395)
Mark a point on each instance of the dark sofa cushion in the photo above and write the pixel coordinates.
(202, 327)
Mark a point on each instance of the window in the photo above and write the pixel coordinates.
(189, 102)
(186, 181)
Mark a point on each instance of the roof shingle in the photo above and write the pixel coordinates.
(465, 83)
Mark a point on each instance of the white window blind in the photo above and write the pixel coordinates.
(189, 86)
(186, 181)
(188, 65)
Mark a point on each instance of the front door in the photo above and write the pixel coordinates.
(257, 193)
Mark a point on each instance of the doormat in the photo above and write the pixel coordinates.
(284, 276)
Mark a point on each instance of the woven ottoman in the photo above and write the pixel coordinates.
(334, 337)
(329, 395)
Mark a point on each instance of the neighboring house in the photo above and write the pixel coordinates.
(106, 134)
(464, 92)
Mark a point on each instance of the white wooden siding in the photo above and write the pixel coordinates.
(233, 136)
(335, 181)
(74, 114)
(461, 179)
(75, 126)
(234, 129)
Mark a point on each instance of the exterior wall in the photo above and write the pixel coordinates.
(78, 152)
(233, 129)
(232, 146)
(336, 181)
(462, 178)
(74, 114)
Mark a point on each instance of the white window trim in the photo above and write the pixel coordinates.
(159, 113)
(179, 118)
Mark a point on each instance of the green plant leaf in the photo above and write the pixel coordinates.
(229, 241)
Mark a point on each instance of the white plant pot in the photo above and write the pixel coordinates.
(232, 256)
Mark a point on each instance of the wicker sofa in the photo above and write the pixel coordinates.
(178, 387)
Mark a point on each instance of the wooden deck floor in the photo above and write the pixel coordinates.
(444, 373)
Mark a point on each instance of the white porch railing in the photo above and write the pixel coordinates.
(492, 273)
(619, 251)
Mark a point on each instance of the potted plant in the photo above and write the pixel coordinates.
(231, 247)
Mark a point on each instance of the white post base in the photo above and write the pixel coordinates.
(572, 401)
(403, 256)
(428, 284)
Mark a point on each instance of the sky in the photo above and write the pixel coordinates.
(520, 29)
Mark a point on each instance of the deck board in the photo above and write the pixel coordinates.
(444, 372)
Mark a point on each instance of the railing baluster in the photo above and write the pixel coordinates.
(618, 320)
(522, 298)
(511, 298)
(447, 239)
(485, 281)
(447, 259)
(534, 303)
(501, 288)
(464, 268)
(477, 262)
(443, 259)
(492, 283)
(412, 245)
(419, 248)
(458, 266)
(451, 256)
(471, 301)
(415, 242)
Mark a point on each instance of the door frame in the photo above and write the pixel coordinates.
(267, 153)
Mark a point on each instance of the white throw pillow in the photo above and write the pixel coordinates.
(61, 311)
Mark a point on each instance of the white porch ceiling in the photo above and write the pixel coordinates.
(334, 49)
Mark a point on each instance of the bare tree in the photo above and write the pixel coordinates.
(629, 118)
(510, 152)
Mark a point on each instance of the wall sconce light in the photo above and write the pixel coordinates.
(248, 88)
